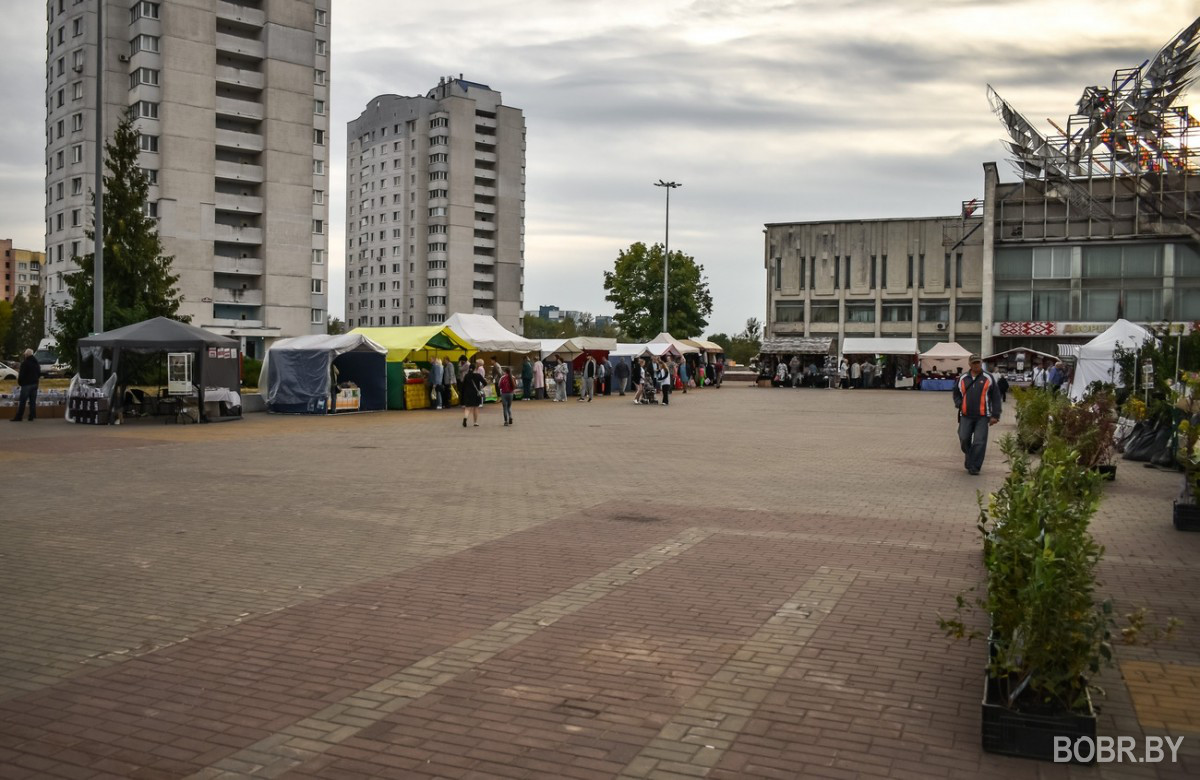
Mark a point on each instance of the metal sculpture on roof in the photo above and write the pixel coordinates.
(1131, 128)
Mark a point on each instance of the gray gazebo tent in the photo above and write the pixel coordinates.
(215, 361)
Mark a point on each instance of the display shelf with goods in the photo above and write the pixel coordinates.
(348, 399)
(89, 403)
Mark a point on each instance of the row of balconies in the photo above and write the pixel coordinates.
(237, 296)
(236, 44)
(240, 77)
(236, 12)
(241, 141)
(245, 266)
(241, 204)
(242, 109)
(243, 172)
(237, 235)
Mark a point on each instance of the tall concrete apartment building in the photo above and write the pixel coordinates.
(22, 270)
(435, 208)
(232, 103)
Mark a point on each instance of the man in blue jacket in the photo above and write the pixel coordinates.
(28, 377)
(977, 399)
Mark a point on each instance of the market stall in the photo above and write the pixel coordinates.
(1097, 360)
(409, 349)
(324, 374)
(1016, 364)
(947, 357)
(814, 352)
(202, 372)
(893, 358)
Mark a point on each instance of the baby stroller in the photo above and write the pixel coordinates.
(649, 390)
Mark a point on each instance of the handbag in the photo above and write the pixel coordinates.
(678, 383)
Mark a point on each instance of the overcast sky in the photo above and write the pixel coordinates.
(765, 111)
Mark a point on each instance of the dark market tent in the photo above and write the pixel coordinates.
(215, 359)
(299, 374)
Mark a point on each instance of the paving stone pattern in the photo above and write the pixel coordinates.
(744, 584)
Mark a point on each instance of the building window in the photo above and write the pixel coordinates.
(969, 311)
(803, 265)
(150, 209)
(140, 76)
(897, 312)
(1101, 305)
(1052, 263)
(1187, 304)
(319, 167)
(318, 286)
(1013, 306)
(322, 18)
(318, 137)
(77, 60)
(439, 157)
(144, 109)
(75, 216)
(318, 226)
(319, 78)
(1051, 305)
(143, 10)
(824, 312)
(77, 185)
(322, 48)
(437, 211)
(438, 246)
(935, 312)
(318, 256)
(76, 122)
(871, 278)
(143, 43)
(437, 122)
(921, 270)
(77, 27)
(77, 94)
(837, 272)
(318, 316)
(147, 143)
(790, 311)
(319, 107)
(151, 175)
(1142, 305)
(910, 272)
(958, 270)
(860, 312)
(1013, 264)
(318, 196)
(77, 153)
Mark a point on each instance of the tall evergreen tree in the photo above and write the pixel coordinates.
(635, 287)
(138, 283)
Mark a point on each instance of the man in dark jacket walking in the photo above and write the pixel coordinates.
(28, 377)
(977, 398)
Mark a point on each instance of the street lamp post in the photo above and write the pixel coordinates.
(670, 185)
(98, 187)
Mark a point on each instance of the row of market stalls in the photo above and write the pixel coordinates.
(371, 369)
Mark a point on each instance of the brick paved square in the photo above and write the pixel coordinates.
(744, 584)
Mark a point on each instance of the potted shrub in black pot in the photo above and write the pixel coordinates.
(1049, 635)
(1187, 507)
(1090, 428)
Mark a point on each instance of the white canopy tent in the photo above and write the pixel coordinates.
(879, 346)
(628, 350)
(488, 335)
(680, 347)
(947, 356)
(562, 347)
(1097, 360)
(660, 348)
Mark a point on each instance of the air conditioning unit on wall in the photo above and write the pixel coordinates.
(941, 326)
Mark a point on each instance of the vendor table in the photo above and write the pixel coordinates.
(937, 384)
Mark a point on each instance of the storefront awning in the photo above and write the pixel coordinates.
(796, 345)
(879, 346)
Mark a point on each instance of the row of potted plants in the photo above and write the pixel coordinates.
(1048, 634)
(1088, 427)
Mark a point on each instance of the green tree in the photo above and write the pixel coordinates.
(27, 324)
(635, 287)
(542, 328)
(138, 283)
(335, 327)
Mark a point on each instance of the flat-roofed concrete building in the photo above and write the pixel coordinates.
(435, 208)
(22, 270)
(232, 103)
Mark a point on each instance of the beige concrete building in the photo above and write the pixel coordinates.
(22, 270)
(232, 101)
(435, 208)
(915, 278)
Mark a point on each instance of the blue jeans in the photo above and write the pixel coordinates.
(972, 437)
(28, 395)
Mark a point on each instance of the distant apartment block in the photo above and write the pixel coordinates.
(22, 270)
(232, 102)
(435, 208)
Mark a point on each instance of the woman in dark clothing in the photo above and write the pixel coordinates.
(470, 395)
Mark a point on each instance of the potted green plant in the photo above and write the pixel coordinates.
(1187, 507)
(1048, 634)
(1035, 408)
(1089, 427)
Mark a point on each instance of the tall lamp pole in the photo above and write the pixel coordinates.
(98, 187)
(670, 185)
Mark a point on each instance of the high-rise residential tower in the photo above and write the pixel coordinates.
(435, 208)
(232, 103)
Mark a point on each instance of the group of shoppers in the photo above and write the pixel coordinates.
(649, 379)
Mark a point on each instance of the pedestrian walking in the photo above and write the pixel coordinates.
(28, 376)
(526, 379)
(435, 383)
(635, 379)
(539, 379)
(977, 398)
(794, 370)
(470, 393)
(448, 381)
(681, 370)
(589, 380)
(621, 373)
(507, 386)
(560, 381)
(663, 377)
